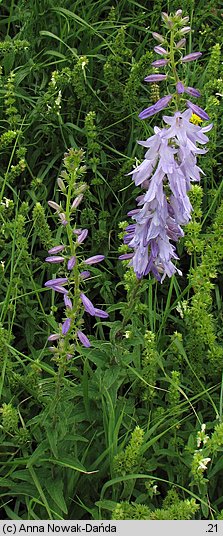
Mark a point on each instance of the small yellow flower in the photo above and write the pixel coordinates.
(195, 119)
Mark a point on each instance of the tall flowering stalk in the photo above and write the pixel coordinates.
(72, 268)
(170, 163)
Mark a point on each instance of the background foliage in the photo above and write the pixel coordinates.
(118, 435)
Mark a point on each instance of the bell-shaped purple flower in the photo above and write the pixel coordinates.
(160, 50)
(85, 274)
(155, 78)
(66, 326)
(198, 111)
(152, 110)
(68, 302)
(57, 281)
(100, 313)
(54, 260)
(83, 339)
(54, 337)
(88, 305)
(191, 57)
(71, 263)
(94, 260)
(159, 63)
(56, 249)
(81, 237)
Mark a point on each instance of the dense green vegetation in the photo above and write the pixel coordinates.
(130, 428)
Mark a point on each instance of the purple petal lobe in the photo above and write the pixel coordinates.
(71, 263)
(180, 87)
(198, 111)
(125, 256)
(77, 201)
(185, 30)
(59, 289)
(68, 302)
(56, 249)
(54, 205)
(66, 326)
(88, 305)
(55, 259)
(58, 281)
(94, 259)
(155, 78)
(63, 218)
(191, 57)
(181, 43)
(192, 91)
(158, 37)
(85, 274)
(160, 105)
(100, 313)
(54, 337)
(160, 50)
(159, 63)
(83, 339)
(82, 236)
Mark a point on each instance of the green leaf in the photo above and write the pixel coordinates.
(55, 490)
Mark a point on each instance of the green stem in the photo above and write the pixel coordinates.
(173, 65)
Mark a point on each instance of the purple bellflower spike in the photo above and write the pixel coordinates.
(88, 305)
(159, 63)
(68, 302)
(152, 110)
(191, 57)
(56, 249)
(155, 78)
(66, 326)
(85, 274)
(95, 259)
(71, 263)
(82, 236)
(198, 111)
(160, 50)
(100, 313)
(58, 281)
(158, 220)
(83, 339)
(55, 259)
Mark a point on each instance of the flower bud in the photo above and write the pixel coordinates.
(158, 37)
(185, 30)
(54, 205)
(181, 43)
(61, 184)
(160, 50)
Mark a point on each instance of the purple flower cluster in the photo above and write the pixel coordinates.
(58, 285)
(170, 163)
(165, 174)
(70, 285)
